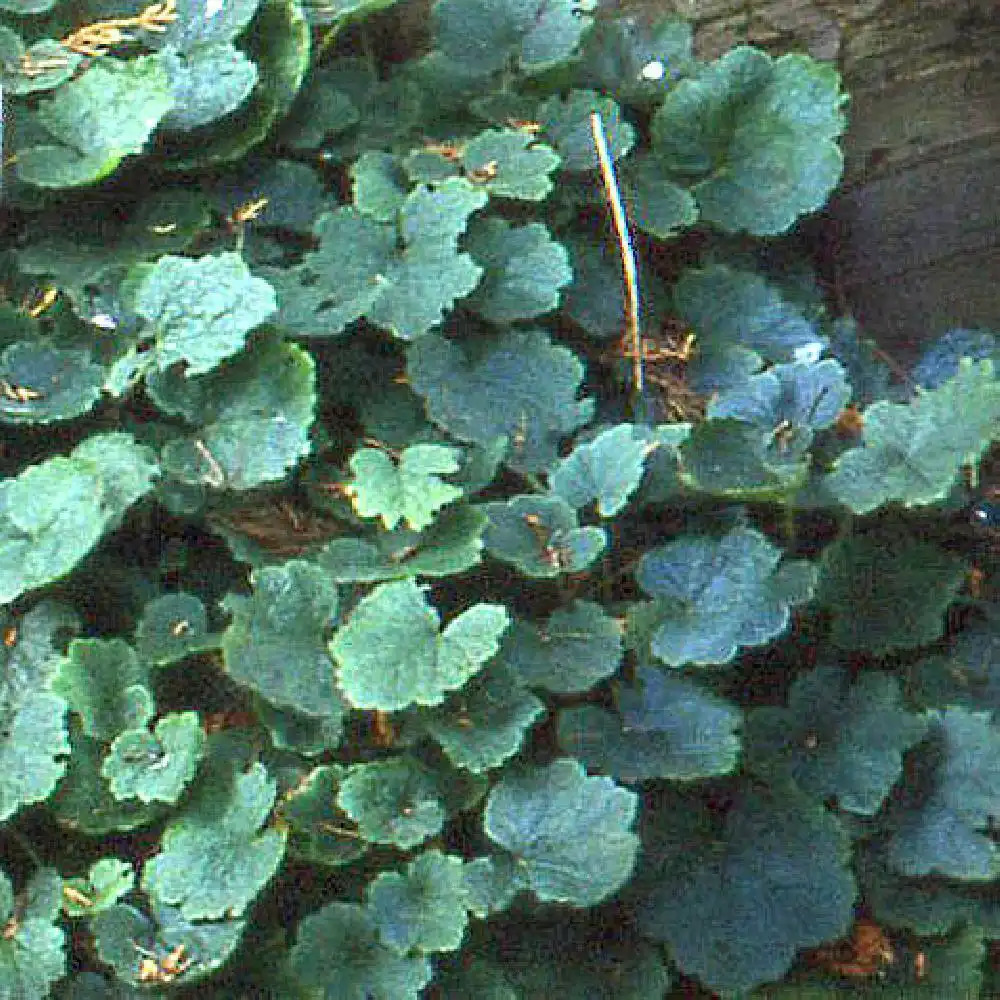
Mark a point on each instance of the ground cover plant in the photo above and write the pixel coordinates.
(397, 599)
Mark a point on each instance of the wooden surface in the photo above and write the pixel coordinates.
(918, 217)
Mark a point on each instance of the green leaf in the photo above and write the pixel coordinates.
(53, 514)
(578, 647)
(659, 206)
(540, 535)
(887, 590)
(718, 594)
(607, 469)
(104, 115)
(638, 60)
(481, 37)
(106, 685)
(735, 460)
(762, 131)
(366, 968)
(667, 727)
(566, 125)
(254, 413)
(157, 766)
(83, 800)
(524, 268)
(46, 383)
(194, 26)
(423, 909)
(33, 747)
(106, 881)
(529, 957)
(391, 654)
(516, 384)
(595, 300)
(912, 453)
(201, 310)
(127, 940)
(401, 801)
(172, 626)
(739, 894)
(731, 309)
(207, 82)
(32, 948)
(215, 858)
(492, 881)
(452, 544)
(836, 738)
(409, 489)
(276, 642)
(379, 185)
(277, 43)
(319, 832)
(358, 269)
(484, 723)
(947, 827)
(570, 832)
(510, 163)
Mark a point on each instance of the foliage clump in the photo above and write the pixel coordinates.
(387, 610)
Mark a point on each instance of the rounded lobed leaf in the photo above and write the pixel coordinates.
(570, 833)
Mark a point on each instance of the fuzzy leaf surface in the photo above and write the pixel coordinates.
(402, 280)
(106, 881)
(216, 857)
(912, 453)
(171, 627)
(484, 724)
(410, 489)
(950, 832)
(106, 114)
(106, 685)
(207, 82)
(607, 469)
(155, 766)
(666, 727)
(254, 415)
(541, 536)
(759, 133)
(54, 513)
(366, 968)
(32, 950)
(572, 833)
(57, 383)
(480, 37)
(391, 652)
(422, 909)
(201, 310)
(401, 801)
(517, 384)
(733, 310)
(888, 590)
(836, 738)
(579, 646)
(524, 268)
(736, 904)
(276, 642)
(566, 127)
(718, 594)
(512, 163)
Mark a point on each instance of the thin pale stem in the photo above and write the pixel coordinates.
(629, 269)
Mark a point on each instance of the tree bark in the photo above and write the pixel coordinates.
(917, 218)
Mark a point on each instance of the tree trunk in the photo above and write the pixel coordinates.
(917, 218)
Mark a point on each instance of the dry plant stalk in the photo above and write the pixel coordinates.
(629, 270)
(97, 39)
